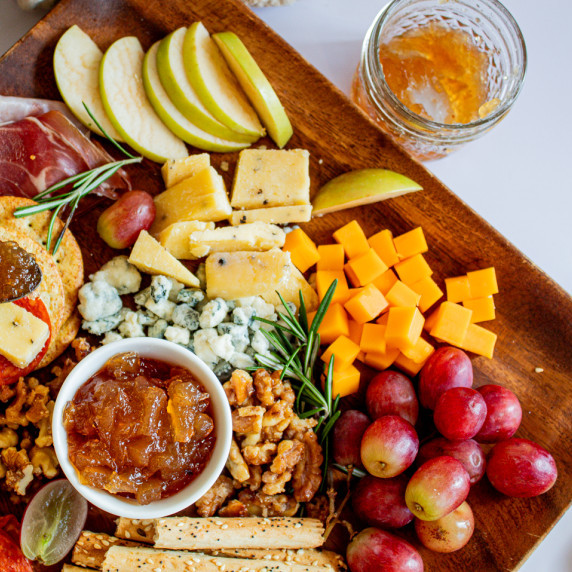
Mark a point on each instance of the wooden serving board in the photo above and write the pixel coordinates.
(534, 315)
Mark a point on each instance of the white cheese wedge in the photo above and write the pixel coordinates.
(271, 178)
(149, 256)
(201, 197)
(232, 275)
(274, 215)
(258, 236)
(176, 170)
(175, 238)
(22, 335)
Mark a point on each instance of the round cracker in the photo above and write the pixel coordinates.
(60, 342)
(51, 288)
(68, 258)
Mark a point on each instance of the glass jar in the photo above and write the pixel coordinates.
(492, 31)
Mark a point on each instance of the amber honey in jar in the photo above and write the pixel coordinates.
(140, 428)
(437, 74)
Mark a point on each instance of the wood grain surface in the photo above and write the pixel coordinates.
(534, 315)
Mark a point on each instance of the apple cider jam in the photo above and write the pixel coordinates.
(140, 427)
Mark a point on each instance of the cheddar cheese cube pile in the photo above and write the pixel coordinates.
(384, 288)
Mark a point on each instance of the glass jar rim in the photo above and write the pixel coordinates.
(371, 48)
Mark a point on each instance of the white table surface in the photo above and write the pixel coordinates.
(518, 177)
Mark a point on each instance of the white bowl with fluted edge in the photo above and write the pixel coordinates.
(173, 354)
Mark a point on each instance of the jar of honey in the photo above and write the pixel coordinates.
(436, 74)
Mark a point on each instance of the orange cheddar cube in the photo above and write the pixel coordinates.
(334, 323)
(354, 292)
(331, 257)
(352, 276)
(401, 295)
(385, 281)
(404, 326)
(383, 360)
(457, 289)
(324, 279)
(413, 269)
(410, 243)
(419, 352)
(408, 366)
(373, 339)
(365, 268)
(344, 351)
(355, 331)
(352, 238)
(483, 282)
(451, 323)
(366, 305)
(479, 341)
(429, 292)
(430, 321)
(383, 319)
(382, 243)
(344, 382)
(483, 309)
(303, 251)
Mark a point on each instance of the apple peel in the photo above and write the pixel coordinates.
(361, 187)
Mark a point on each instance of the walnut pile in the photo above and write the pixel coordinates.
(26, 409)
(275, 458)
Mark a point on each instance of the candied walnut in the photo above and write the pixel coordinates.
(299, 427)
(14, 417)
(318, 507)
(44, 462)
(241, 382)
(288, 455)
(215, 497)
(259, 454)
(287, 394)
(271, 434)
(2, 470)
(255, 480)
(275, 483)
(44, 438)
(263, 385)
(36, 401)
(233, 509)
(279, 413)
(230, 395)
(19, 470)
(26, 440)
(247, 419)
(261, 504)
(6, 393)
(236, 464)
(8, 438)
(251, 439)
(307, 473)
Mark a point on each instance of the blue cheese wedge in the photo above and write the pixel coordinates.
(232, 275)
(273, 215)
(271, 178)
(22, 335)
(149, 256)
(258, 236)
(201, 197)
(176, 170)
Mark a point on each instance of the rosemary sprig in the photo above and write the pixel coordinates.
(81, 185)
(295, 346)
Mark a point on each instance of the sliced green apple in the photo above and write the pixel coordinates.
(361, 187)
(256, 86)
(76, 67)
(127, 106)
(174, 79)
(172, 117)
(215, 84)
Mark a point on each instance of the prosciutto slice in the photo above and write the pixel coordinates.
(37, 152)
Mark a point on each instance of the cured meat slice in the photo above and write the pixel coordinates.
(37, 152)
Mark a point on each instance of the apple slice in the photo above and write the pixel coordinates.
(76, 67)
(215, 84)
(127, 106)
(174, 79)
(256, 86)
(361, 187)
(172, 117)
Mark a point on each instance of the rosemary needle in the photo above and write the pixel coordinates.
(81, 185)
